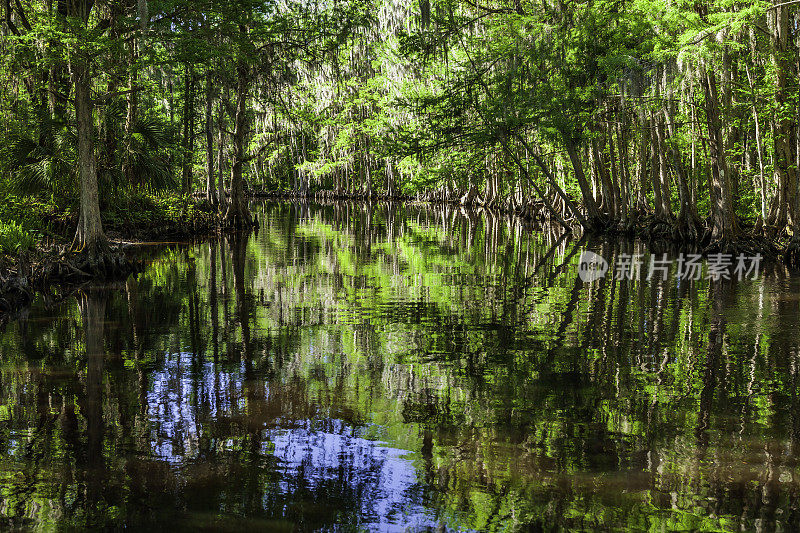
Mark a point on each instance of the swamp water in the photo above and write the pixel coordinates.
(402, 369)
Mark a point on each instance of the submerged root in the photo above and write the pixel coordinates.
(688, 229)
(723, 246)
(15, 293)
(238, 218)
(110, 264)
(238, 221)
(659, 228)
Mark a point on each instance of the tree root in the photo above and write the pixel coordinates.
(745, 243)
(238, 218)
(44, 271)
(792, 253)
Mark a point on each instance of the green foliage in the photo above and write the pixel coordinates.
(39, 157)
(14, 238)
(170, 211)
(47, 217)
(377, 95)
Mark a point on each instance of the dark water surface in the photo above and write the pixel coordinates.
(400, 369)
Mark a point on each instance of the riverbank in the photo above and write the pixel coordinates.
(35, 237)
(54, 274)
(30, 223)
(637, 224)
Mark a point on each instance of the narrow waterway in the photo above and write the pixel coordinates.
(405, 368)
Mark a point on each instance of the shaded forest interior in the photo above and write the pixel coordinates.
(669, 119)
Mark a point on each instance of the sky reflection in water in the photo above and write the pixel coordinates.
(308, 456)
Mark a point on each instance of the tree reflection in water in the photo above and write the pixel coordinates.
(391, 367)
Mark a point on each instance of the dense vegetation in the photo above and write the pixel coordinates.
(675, 118)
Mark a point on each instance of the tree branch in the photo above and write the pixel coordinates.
(9, 22)
(261, 150)
(23, 18)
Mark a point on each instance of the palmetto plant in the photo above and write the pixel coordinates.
(47, 163)
(44, 163)
(150, 145)
(146, 153)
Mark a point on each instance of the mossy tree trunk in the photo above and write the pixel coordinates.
(89, 237)
(238, 212)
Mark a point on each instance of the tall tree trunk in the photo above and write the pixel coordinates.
(130, 119)
(108, 149)
(130, 116)
(784, 127)
(238, 213)
(725, 229)
(762, 185)
(211, 176)
(655, 171)
(612, 167)
(644, 148)
(663, 168)
(188, 128)
(523, 168)
(661, 179)
(222, 196)
(688, 221)
(623, 165)
(592, 211)
(89, 237)
(730, 128)
(609, 198)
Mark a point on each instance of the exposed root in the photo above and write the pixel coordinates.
(688, 229)
(106, 265)
(93, 250)
(46, 271)
(792, 253)
(238, 218)
(724, 246)
(659, 228)
(745, 243)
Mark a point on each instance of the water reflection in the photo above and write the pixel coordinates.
(396, 367)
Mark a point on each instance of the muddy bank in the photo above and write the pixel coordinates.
(55, 274)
